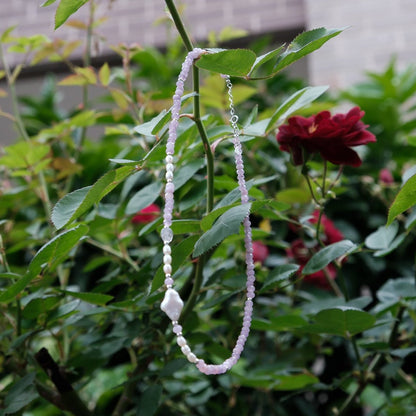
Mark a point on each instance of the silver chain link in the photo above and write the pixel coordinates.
(233, 115)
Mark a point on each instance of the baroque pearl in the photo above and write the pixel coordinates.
(172, 304)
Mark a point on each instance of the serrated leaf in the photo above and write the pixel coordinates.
(260, 60)
(345, 321)
(405, 199)
(65, 9)
(208, 220)
(304, 44)
(278, 275)
(90, 297)
(233, 62)
(328, 254)
(226, 225)
(56, 250)
(143, 198)
(294, 103)
(74, 204)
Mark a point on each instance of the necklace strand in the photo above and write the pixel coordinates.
(172, 304)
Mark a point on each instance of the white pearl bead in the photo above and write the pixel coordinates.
(169, 176)
(167, 269)
(186, 350)
(170, 167)
(167, 259)
(192, 357)
(181, 341)
(172, 304)
(169, 159)
(166, 249)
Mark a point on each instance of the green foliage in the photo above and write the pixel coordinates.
(81, 266)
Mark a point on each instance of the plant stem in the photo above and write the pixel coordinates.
(358, 390)
(170, 4)
(198, 276)
(114, 252)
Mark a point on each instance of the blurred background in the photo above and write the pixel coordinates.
(376, 31)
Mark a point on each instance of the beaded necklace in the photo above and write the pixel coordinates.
(172, 304)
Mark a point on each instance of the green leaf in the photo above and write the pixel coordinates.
(21, 393)
(90, 297)
(303, 45)
(260, 60)
(233, 62)
(293, 382)
(404, 200)
(394, 290)
(39, 305)
(47, 3)
(278, 275)
(150, 400)
(227, 224)
(143, 198)
(345, 321)
(186, 172)
(56, 250)
(74, 204)
(384, 240)
(295, 102)
(209, 219)
(180, 253)
(9, 294)
(329, 253)
(383, 237)
(65, 9)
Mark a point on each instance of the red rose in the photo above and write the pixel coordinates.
(260, 252)
(301, 254)
(146, 215)
(331, 136)
(331, 233)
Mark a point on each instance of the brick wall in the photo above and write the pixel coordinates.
(378, 29)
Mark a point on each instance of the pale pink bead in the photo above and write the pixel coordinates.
(177, 329)
(169, 281)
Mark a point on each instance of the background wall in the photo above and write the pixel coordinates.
(378, 29)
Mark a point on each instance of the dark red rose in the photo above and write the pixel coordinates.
(385, 177)
(299, 252)
(260, 252)
(146, 215)
(331, 233)
(330, 136)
